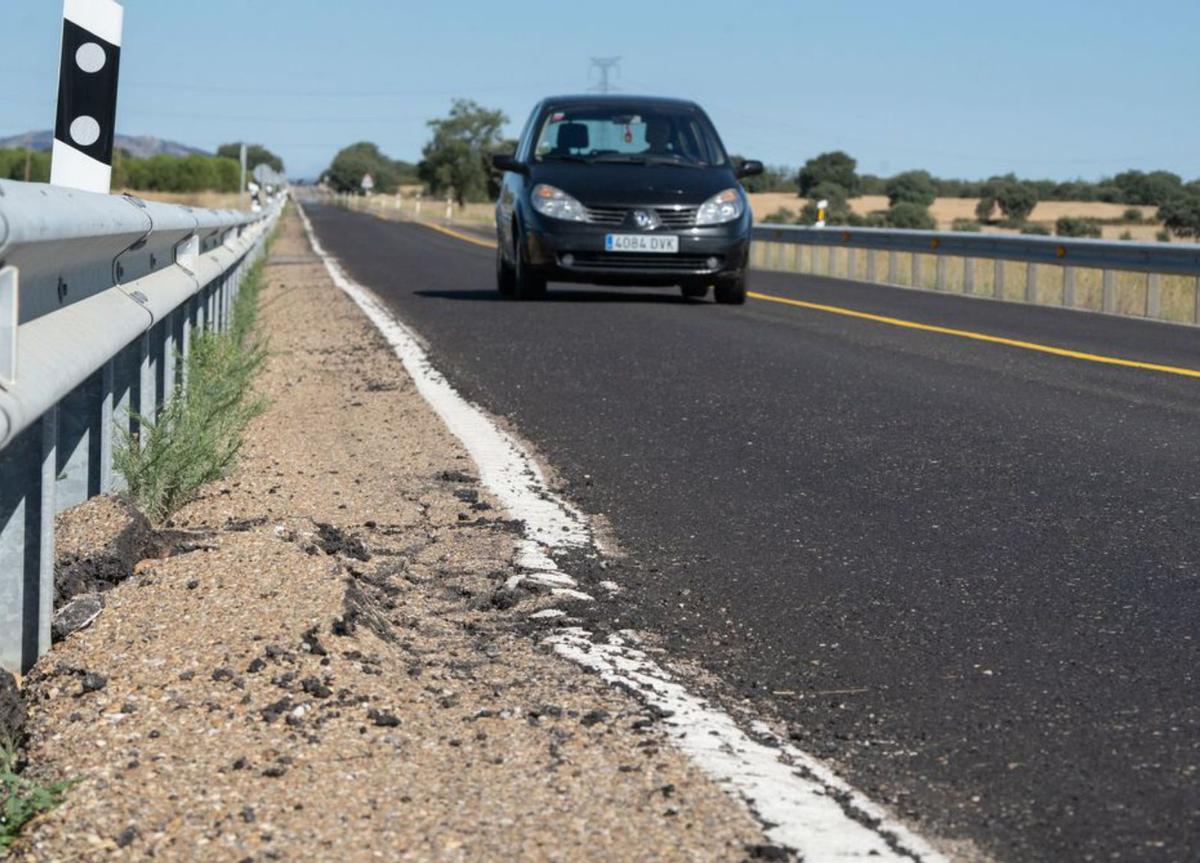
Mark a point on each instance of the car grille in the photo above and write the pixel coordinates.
(672, 217)
(644, 263)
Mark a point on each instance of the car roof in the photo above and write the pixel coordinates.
(570, 100)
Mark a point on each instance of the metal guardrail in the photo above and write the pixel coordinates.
(1053, 266)
(99, 295)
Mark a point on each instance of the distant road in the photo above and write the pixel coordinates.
(968, 574)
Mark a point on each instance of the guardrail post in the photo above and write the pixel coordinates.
(968, 275)
(108, 375)
(892, 267)
(27, 506)
(1196, 300)
(145, 385)
(940, 269)
(998, 278)
(870, 265)
(1031, 285)
(1154, 295)
(169, 349)
(78, 445)
(1069, 287)
(1110, 291)
(851, 269)
(917, 271)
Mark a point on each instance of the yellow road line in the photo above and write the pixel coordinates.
(450, 232)
(980, 337)
(914, 325)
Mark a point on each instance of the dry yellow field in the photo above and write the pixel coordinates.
(946, 210)
(214, 200)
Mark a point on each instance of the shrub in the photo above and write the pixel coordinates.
(1126, 235)
(906, 214)
(198, 434)
(782, 216)
(1132, 215)
(1163, 236)
(1076, 226)
(911, 187)
(871, 220)
(1039, 230)
(967, 225)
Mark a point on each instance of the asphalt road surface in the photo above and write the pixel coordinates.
(968, 574)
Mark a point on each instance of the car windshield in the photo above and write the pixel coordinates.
(656, 135)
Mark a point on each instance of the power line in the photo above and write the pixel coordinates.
(606, 65)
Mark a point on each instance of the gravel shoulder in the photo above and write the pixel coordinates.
(321, 657)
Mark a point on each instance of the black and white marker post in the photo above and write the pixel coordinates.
(87, 95)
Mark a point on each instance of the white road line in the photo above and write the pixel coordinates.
(802, 803)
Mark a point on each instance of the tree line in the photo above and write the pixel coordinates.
(194, 173)
(1007, 199)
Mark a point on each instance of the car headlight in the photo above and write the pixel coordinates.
(720, 208)
(556, 204)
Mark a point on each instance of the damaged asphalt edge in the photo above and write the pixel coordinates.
(800, 801)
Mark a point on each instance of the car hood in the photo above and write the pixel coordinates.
(600, 185)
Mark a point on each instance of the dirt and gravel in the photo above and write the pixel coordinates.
(318, 658)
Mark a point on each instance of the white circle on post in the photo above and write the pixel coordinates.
(85, 131)
(90, 57)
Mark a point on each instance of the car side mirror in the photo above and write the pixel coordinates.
(508, 162)
(749, 168)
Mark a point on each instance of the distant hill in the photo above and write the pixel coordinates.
(141, 146)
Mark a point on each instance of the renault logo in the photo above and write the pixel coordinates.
(647, 220)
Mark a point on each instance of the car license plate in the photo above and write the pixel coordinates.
(652, 243)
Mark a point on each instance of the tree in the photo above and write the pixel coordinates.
(911, 187)
(352, 163)
(1016, 200)
(907, 214)
(1076, 226)
(1157, 187)
(1181, 213)
(256, 154)
(457, 158)
(835, 167)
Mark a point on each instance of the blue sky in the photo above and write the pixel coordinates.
(1059, 88)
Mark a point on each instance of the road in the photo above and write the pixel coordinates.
(968, 574)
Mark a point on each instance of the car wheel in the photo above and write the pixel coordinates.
(694, 292)
(527, 284)
(506, 280)
(731, 292)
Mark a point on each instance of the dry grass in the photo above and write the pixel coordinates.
(213, 200)
(946, 210)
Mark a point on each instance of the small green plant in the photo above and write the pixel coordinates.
(198, 434)
(1163, 236)
(782, 216)
(1039, 230)
(1133, 216)
(906, 214)
(22, 799)
(969, 226)
(1075, 226)
(1126, 235)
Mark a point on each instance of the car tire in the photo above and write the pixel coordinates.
(731, 292)
(693, 292)
(527, 284)
(506, 279)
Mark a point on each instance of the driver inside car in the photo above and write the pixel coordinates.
(658, 138)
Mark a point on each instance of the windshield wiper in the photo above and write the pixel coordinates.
(617, 158)
(566, 157)
(677, 161)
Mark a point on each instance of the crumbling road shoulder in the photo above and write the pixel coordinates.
(321, 658)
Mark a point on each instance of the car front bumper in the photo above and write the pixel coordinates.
(575, 252)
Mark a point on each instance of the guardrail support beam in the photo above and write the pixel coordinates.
(917, 271)
(1069, 299)
(1110, 291)
(892, 267)
(27, 506)
(998, 280)
(1031, 282)
(78, 472)
(870, 265)
(968, 275)
(1154, 296)
(940, 272)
